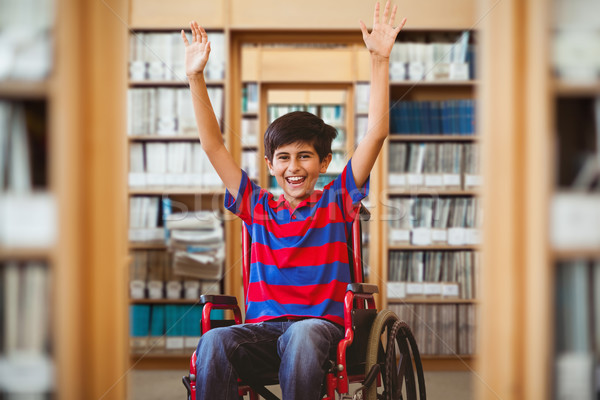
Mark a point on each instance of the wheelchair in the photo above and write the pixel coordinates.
(378, 351)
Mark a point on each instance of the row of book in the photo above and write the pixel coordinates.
(441, 58)
(25, 339)
(250, 163)
(577, 328)
(433, 274)
(434, 220)
(440, 329)
(362, 92)
(153, 275)
(250, 99)
(250, 132)
(159, 56)
(435, 165)
(166, 327)
(162, 164)
(575, 39)
(333, 115)
(433, 117)
(27, 208)
(27, 54)
(167, 111)
(146, 220)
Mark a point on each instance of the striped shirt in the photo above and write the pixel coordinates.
(299, 258)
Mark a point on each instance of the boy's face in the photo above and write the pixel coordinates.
(296, 167)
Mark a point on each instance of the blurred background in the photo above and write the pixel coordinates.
(485, 201)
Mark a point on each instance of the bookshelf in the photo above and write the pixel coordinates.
(516, 331)
(61, 201)
(177, 250)
(537, 153)
(574, 204)
(431, 180)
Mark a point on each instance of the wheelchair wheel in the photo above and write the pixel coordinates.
(392, 346)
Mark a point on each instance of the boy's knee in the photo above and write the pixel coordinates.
(211, 341)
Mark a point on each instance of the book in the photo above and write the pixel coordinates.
(139, 326)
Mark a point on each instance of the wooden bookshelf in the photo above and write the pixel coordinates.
(516, 329)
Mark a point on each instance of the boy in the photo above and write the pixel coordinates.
(299, 267)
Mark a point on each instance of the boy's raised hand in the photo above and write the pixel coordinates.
(196, 53)
(383, 35)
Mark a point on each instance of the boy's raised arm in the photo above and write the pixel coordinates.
(211, 139)
(379, 43)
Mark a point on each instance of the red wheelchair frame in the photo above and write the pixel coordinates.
(359, 311)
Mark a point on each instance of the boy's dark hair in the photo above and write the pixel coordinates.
(299, 126)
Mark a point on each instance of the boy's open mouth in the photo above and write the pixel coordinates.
(295, 180)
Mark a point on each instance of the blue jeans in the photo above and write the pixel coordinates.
(299, 350)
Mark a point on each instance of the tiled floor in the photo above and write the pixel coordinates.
(166, 385)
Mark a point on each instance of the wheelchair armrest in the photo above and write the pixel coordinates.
(362, 288)
(219, 299)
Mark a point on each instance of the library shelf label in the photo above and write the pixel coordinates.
(415, 288)
(137, 289)
(155, 289)
(414, 179)
(439, 235)
(434, 180)
(575, 221)
(457, 236)
(432, 289)
(421, 236)
(399, 235)
(451, 180)
(472, 181)
(396, 290)
(450, 290)
(395, 179)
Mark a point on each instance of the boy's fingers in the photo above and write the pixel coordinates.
(185, 40)
(363, 28)
(376, 14)
(399, 27)
(393, 15)
(203, 35)
(386, 11)
(194, 31)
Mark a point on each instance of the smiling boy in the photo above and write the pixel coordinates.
(299, 260)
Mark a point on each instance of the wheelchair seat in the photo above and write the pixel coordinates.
(378, 350)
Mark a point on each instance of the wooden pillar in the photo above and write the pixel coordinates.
(514, 330)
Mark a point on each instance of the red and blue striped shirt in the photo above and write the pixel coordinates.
(299, 258)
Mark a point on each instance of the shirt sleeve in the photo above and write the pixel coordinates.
(243, 204)
(348, 196)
